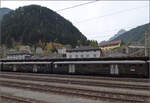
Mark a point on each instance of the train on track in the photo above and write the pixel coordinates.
(117, 67)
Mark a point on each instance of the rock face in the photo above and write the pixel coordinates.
(30, 24)
(120, 32)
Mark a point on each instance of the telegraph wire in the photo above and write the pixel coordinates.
(118, 12)
(98, 17)
(97, 35)
(106, 32)
(76, 6)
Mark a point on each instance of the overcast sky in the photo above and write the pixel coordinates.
(99, 20)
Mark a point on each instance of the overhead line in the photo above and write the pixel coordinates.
(96, 35)
(76, 6)
(106, 32)
(118, 12)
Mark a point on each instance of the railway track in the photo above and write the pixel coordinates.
(78, 92)
(81, 77)
(77, 81)
(14, 99)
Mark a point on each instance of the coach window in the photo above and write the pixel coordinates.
(105, 65)
(141, 65)
(60, 65)
(70, 56)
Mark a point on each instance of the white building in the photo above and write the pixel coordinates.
(18, 55)
(39, 50)
(61, 50)
(25, 48)
(84, 52)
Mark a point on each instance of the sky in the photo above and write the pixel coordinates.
(98, 20)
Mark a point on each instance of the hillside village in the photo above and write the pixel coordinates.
(61, 42)
(51, 50)
(56, 50)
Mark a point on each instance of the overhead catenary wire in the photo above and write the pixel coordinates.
(98, 17)
(106, 32)
(76, 6)
(118, 12)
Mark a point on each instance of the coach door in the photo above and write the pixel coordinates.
(71, 68)
(149, 69)
(114, 69)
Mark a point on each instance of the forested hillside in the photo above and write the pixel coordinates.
(135, 35)
(30, 24)
(4, 11)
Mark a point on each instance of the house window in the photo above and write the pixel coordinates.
(82, 56)
(76, 56)
(87, 55)
(94, 55)
(70, 56)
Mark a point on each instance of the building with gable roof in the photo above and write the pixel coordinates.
(110, 45)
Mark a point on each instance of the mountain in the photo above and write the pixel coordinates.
(4, 11)
(30, 24)
(120, 32)
(135, 34)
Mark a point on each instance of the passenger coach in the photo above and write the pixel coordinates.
(122, 68)
(118, 67)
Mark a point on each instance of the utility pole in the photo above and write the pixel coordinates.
(146, 54)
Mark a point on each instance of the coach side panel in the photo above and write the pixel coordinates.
(148, 69)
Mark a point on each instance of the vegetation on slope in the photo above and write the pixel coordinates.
(4, 11)
(30, 24)
(135, 35)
